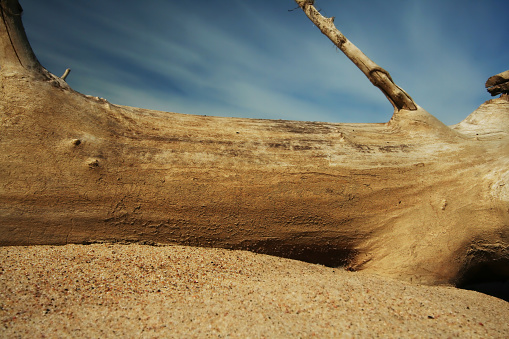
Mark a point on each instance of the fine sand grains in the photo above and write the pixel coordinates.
(135, 291)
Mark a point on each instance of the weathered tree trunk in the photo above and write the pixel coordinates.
(16, 54)
(412, 198)
(15, 49)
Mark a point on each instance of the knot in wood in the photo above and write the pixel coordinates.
(376, 80)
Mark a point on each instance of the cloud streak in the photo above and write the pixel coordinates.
(256, 59)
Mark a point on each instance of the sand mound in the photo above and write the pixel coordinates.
(145, 291)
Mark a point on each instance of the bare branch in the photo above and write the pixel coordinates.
(377, 75)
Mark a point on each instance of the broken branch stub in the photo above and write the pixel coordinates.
(378, 76)
(66, 73)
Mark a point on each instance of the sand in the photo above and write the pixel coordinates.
(140, 291)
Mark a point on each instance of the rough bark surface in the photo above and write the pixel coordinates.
(411, 198)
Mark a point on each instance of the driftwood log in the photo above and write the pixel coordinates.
(412, 198)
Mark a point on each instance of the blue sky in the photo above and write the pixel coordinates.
(257, 59)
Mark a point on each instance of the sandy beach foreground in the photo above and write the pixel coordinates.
(136, 291)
